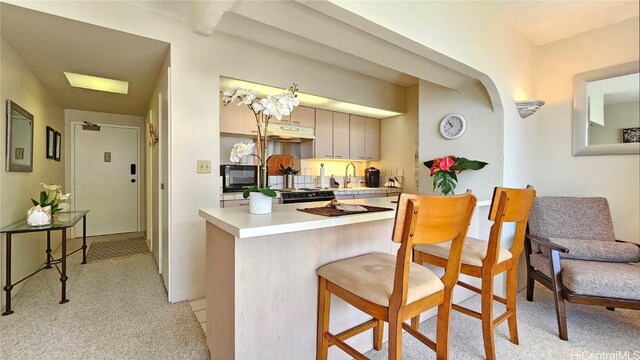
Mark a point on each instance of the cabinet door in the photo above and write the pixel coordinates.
(323, 144)
(340, 135)
(303, 116)
(356, 137)
(372, 139)
(237, 120)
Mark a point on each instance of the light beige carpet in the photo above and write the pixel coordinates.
(594, 333)
(118, 309)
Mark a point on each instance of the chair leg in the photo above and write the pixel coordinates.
(378, 332)
(415, 321)
(512, 284)
(395, 338)
(487, 316)
(324, 300)
(442, 328)
(611, 308)
(530, 285)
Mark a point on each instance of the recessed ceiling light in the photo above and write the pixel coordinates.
(97, 83)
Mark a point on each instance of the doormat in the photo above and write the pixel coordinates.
(102, 250)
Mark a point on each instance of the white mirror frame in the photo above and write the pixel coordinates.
(581, 145)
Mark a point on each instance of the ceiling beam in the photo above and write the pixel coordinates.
(204, 15)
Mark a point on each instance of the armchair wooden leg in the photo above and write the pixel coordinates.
(395, 337)
(324, 300)
(512, 284)
(442, 328)
(556, 282)
(378, 333)
(530, 285)
(487, 316)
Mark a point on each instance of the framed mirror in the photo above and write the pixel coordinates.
(606, 111)
(19, 155)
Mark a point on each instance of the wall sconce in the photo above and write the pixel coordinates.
(526, 108)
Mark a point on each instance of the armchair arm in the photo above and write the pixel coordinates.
(546, 243)
(628, 242)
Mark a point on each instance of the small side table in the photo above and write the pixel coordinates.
(61, 221)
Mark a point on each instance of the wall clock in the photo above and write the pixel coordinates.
(453, 126)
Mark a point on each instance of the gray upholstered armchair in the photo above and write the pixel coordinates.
(571, 249)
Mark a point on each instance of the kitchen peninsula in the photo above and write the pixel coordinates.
(261, 276)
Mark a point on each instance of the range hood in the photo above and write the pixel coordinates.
(290, 133)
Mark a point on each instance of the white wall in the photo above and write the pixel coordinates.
(616, 177)
(78, 116)
(482, 139)
(399, 143)
(482, 42)
(20, 85)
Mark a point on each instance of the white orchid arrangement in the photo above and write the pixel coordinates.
(264, 109)
(241, 150)
(51, 197)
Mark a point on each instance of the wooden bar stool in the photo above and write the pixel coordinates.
(485, 260)
(393, 289)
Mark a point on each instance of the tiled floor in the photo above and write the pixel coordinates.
(199, 308)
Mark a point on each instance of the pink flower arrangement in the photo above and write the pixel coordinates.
(444, 171)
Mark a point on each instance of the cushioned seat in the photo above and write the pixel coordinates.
(473, 252)
(371, 278)
(611, 280)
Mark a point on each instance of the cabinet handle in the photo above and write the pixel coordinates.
(329, 156)
(338, 156)
(243, 204)
(361, 157)
(296, 122)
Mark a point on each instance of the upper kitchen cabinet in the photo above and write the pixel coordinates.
(364, 138)
(340, 135)
(357, 126)
(237, 120)
(285, 120)
(303, 116)
(372, 139)
(332, 137)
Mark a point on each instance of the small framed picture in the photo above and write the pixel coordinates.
(57, 147)
(631, 135)
(51, 142)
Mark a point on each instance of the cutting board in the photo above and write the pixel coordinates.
(274, 162)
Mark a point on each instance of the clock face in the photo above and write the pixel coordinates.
(452, 126)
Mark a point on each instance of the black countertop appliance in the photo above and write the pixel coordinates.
(372, 177)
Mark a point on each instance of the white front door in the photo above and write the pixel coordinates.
(105, 173)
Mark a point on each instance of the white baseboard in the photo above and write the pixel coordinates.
(188, 294)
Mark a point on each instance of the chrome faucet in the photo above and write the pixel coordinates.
(347, 179)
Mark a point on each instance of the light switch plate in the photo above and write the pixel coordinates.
(204, 166)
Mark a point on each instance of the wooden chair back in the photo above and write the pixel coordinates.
(422, 219)
(508, 205)
(439, 218)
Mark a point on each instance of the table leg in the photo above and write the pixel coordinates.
(63, 277)
(84, 239)
(48, 250)
(8, 286)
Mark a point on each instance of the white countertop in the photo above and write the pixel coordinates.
(285, 218)
(338, 191)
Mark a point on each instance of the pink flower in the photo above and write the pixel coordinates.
(434, 167)
(446, 163)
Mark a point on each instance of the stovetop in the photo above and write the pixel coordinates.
(306, 195)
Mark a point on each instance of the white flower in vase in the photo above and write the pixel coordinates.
(241, 150)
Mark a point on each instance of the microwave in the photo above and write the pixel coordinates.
(236, 177)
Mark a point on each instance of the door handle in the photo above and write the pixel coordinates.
(133, 169)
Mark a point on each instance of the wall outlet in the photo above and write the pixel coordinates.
(204, 166)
